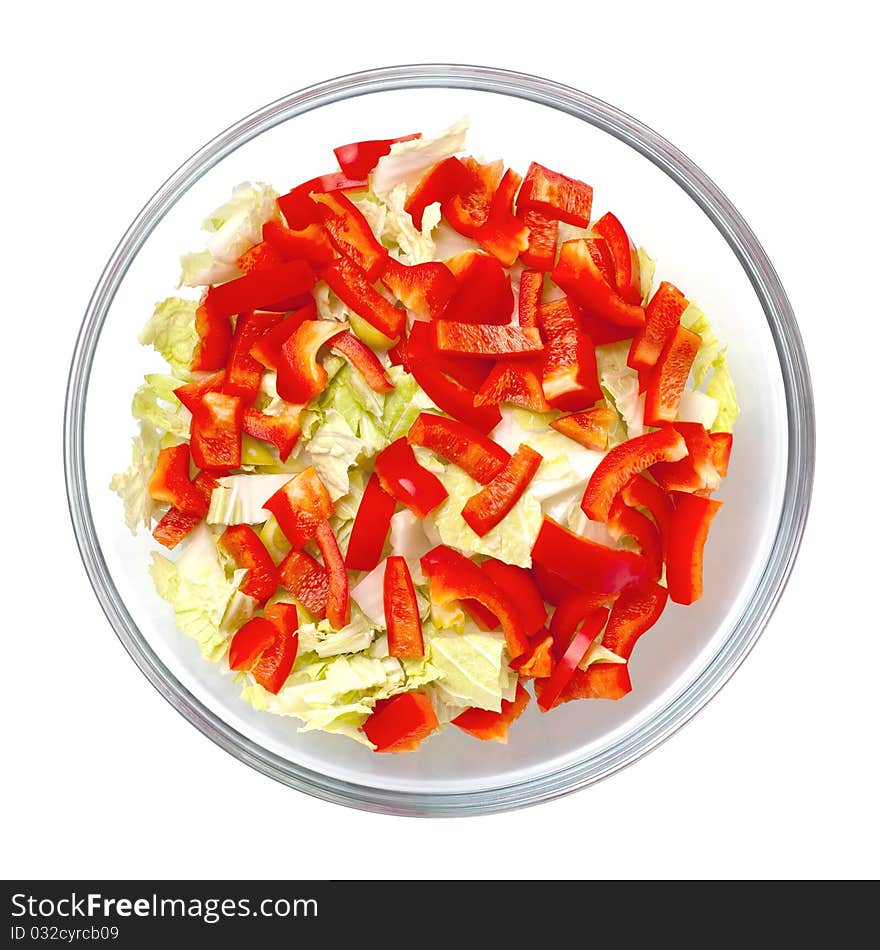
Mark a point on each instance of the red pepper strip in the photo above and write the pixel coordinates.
(260, 289)
(688, 531)
(401, 610)
(601, 331)
(580, 273)
(568, 663)
(300, 210)
(423, 288)
(267, 349)
(190, 394)
(552, 587)
(277, 661)
(454, 398)
(410, 483)
(481, 616)
(662, 316)
(175, 525)
(351, 235)
(543, 232)
(215, 431)
(249, 642)
(370, 528)
(453, 577)
(571, 376)
(421, 347)
(669, 376)
(307, 244)
(624, 521)
(598, 681)
(358, 159)
(337, 577)
(589, 429)
(520, 588)
(355, 289)
(170, 482)
(258, 257)
(215, 338)
(556, 195)
(636, 610)
(514, 381)
(300, 507)
(364, 360)
(307, 580)
(458, 443)
(538, 662)
(626, 460)
(300, 375)
(243, 372)
(492, 503)
(468, 210)
(483, 293)
(439, 183)
(696, 471)
(586, 565)
(531, 287)
(722, 445)
(627, 269)
(244, 546)
(502, 234)
(494, 726)
(284, 616)
(281, 430)
(639, 492)
(399, 724)
(474, 339)
(570, 612)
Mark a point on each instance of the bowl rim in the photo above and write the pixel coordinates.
(799, 407)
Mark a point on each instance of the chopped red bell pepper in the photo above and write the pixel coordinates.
(244, 546)
(502, 234)
(555, 195)
(517, 583)
(358, 159)
(438, 184)
(454, 398)
(601, 331)
(625, 460)
(514, 381)
(170, 482)
(492, 503)
(258, 257)
(551, 688)
(584, 564)
(423, 288)
(460, 444)
(722, 445)
(538, 662)
(598, 681)
(571, 611)
(552, 587)
(483, 293)
(281, 430)
(639, 492)
(543, 233)
(215, 431)
(581, 273)
(452, 576)
(243, 372)
(350, 233)
(307, 580)
(401, 610)
(624, 521)
(337, 577)
(571, 376)
(669, 376)
(636, 610)
(475, 339)
(468, 210)
(300, 507)
(267, 349)
(300, 375)
(277, 661)
(531, 287)
(696, 471)
(215, 338)
(494, 726)
(399, 724)
(364, 360)
(173, 527)
(306, 244)
(421, 348)
(481, 616)
(355, 289)
(250, 641)
(662, 316)
(260, 289)
(300, 210)
(410, 483)
(370, 528)
(589, 428)
(190, 394)
(627, 269)
(688, 530)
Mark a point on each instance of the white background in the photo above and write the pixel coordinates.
(777, 777)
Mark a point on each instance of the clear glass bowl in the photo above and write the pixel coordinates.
(699, 240)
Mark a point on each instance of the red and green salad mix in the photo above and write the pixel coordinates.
(429, 441)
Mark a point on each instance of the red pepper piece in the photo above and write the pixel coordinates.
(483, 293)
(669, 376)
(267, 349)
(494, 726)
(481, 616)
(281, 430)
(358, 159)
(584, 564)
(439, 183)
(452, 397)
(460, 444)
(215, 431)
(423, 288)
(688, 530)
(244, 546)
(306, 244)
(421, 348)
(589, 429)
(598, 681)
(626, 460)
(399, 724)
(283, 616)
(300, 210)
(555, 195)
(662, 316)
(337, 577)
(531, 287)
(572, 610)
(581, 273)
(722, 445)
(170, 482)
(639, 492)
(601, 331)
(624, 521)
(468, 210)
(453, 577)
(249, 642)
(307, 580)
(370, 528)
(492, 503)
(300, 507)
(175, 525)
(215, 338)
(552, 587)
(364, 360)
(258, 257)
(355, 289)
(474, 339)
(521, 589)
(543, 233)
(243, 372)
(636, 610)
(190, 394)
(514, 381)
(300, 375)
(551, 688)
(350, 233)
(538, 662)
(696, 471)
(401, 610)
(627, 269)
(571, 376)
(502, 234)
(260, 289)
(277, 661)
(410, 483)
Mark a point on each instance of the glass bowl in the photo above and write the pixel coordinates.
(698, 239)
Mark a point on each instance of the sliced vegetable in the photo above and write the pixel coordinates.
(538, 661)
(688, 530)
(552, 587)
(598, 681)
(300, 375)
(421, 347)
(267, 348)
(410, 483)
(492, 503)
(399, 724)
(309, 244)
(350, 233)
(243, 372)
(564, 670)
(571, 611)
(370, 527)
(306, 579)
(662, 316)
(636, 610)
(171, 483)
(556, 195)
(483, 293)
(423, 288)
(244, 546)
(581, 272)
(300, 507)
(502, 234)
(358, 159)
(401, 610)
(297, 205)
(454, 398)
(624, 521)
(260, 289)
(517, 583)
(191, 394)
(627, 268)
(260, 256)
(282, 429)
(722, 445)
(589, 428)
(487, 725)
(469, 208)
(543, 232)
(249, 642)
(460, 444)
(669, 377)
(364, 360)
(354, 287)
(467, 339)
(337, 577)
(276, 663)
(531, 286)
(641, 493)
(570, 379)
(216, 431)
(517, 382)
(215, 337)
(696, 471)
(444, 180)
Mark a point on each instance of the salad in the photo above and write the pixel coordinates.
(430, 441)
